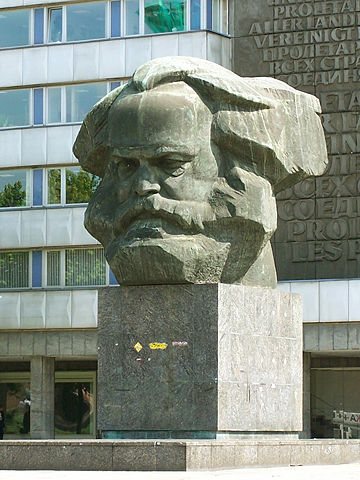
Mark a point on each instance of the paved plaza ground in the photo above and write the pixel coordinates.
(323, 472)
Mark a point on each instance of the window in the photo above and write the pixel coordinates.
(15, 398)
(81, 98)
(15, 108)
(220, 15)
(70, 185)
(64, 186)
(14, 269)
(74, 398)
(85, 21)
(85, 266)
(75, 407)
(55, 20)
(109, 19)
(14, 188)
(164, 15)
(76, 267)
(14, 28)
(24, 107)
(53, 268)
(132, 16)
(59, 268)
(54, 105)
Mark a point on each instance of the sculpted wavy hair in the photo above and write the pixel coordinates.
(262, 123)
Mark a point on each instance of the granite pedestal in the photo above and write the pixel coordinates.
(199, 361)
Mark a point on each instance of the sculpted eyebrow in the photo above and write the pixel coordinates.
(179, 152)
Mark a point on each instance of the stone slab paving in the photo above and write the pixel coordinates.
(321, 472)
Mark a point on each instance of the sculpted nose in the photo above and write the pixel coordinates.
(145, 184)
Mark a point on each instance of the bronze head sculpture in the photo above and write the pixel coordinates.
(190, 157)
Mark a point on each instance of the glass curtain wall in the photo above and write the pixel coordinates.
(164, 16)
(335, 403)
(14, 28)
(14, 188)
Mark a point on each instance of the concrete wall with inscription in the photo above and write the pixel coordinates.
(314, 46)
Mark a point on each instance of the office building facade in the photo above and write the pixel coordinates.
(57, 59)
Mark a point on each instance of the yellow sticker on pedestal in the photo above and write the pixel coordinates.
(138, 347)
(158, 346)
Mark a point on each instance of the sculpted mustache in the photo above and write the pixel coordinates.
(188, 215)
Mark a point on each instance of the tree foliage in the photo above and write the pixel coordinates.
(80, 186)
(13, 195)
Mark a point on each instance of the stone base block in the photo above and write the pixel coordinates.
(147, 455)
(196, 361)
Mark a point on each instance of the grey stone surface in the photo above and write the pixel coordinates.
(306, 433)
(311, 46)
(190, 157)
(225, 368)
(87, 455)
(324, 337)
(59, 343)
(42, 397)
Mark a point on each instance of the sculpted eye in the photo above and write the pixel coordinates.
(126, 165)
(175, 168)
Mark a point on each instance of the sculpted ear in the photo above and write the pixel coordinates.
(274, 142)
(91, 146)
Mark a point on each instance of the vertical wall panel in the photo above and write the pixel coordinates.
(112, 279)
(36, 268)
(115, 19)
(209, 14)
(38, 26)
(37, 187)
(195, 15)
(38, 106)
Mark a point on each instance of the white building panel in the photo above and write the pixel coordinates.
(284, 286)
(310, 296)
(10, 222)
(226, 54)
(327, 301)
(9, 310)
(34, 65)
(193, 45)
(10, 148)
(91, 61)
(32, 310)
(52, 227)
(164, 46)
(137, 52)
(58, 226)
(60, 64)
(86, 61)
(11, 67)
(84, 308)
(112, 59)
(59, 145)
(48, 309)
(80, 236)
(33, 146)
(354, 300)
(58, 309)
(33, 230)
(334, 301)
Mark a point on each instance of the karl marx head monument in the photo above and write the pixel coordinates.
(190, 157)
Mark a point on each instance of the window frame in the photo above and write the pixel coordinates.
(31, 27)
(29, 188)
(108, 19)
(62, 203)
(30, 264)
(63, 269)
